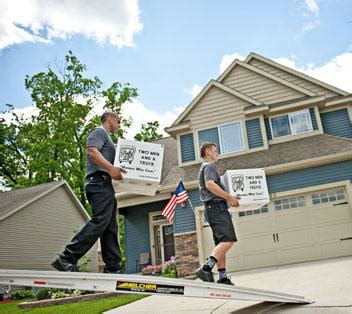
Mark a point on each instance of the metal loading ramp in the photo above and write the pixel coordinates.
(141, 284)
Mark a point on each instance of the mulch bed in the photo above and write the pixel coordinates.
(8, 301)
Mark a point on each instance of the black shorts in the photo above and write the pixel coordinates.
(219, 218)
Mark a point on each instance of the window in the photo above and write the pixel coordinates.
(292, 123)
(227, 137)
(251, 212)
(292, 202)
(328, 196)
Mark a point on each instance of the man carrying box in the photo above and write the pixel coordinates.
(101, 196)
(214, 196)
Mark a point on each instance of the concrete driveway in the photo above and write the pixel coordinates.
(327, 282)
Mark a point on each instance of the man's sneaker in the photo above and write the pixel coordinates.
(226, 281)
(62, 265)
(204, 275)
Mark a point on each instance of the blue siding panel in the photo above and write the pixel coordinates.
(313, 118)
(187, 147)
(267, 127)
(337, 123)
(254, 133)
(184, 220)
(309, 177)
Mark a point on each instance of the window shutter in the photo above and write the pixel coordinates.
(187, 147)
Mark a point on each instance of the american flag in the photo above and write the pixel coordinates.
(180, 196)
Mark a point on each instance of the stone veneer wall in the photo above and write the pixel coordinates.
(186, 250)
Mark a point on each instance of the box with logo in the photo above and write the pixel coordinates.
(249, 185)
(143, 163)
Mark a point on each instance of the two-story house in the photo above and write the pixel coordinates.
(261, 115)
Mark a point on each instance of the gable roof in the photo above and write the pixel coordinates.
(337, 90)
(223, 87)
(304, 149)
(237, 62)
(15, 200)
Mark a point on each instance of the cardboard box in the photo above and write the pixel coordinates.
(249, 185)
(143, 163)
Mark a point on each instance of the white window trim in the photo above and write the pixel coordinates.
(219, 134)
(289, 121)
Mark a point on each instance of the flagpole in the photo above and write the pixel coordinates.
(189, 200)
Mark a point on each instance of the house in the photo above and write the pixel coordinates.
(261, 115)
(36, 223)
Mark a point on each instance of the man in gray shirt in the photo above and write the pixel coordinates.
(101, 196)
(214, 196)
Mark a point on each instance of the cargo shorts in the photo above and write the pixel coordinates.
(219, 218)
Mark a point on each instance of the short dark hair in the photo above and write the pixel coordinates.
(107, 114)
(204, 147)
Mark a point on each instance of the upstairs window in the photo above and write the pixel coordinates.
(292, 123)
(227, 137)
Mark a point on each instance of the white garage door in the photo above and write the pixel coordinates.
(298, 228)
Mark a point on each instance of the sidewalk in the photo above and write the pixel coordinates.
(327, 282)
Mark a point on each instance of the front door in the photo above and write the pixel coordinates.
(161, 239)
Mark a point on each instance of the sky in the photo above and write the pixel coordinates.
(169, 50)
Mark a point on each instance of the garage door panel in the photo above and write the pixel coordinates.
(295, 238)
(332, 213)
(334, 231)
(297, 254)
(292, 219)
(336, 248)
(255, 226)
(264, 259)
(257, 244)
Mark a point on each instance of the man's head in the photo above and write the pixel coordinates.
(209, 152)
(110, 121)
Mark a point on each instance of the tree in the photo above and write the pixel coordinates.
(50, 145)
(149, 132)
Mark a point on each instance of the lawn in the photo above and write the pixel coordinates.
(86, 307)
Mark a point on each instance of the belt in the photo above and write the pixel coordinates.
(98, 175)
(212, 201)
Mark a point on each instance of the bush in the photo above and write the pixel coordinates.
(22, 294)
(59, 294)
(169, 268)
(43, 294)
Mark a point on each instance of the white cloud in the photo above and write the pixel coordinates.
(336, 72)
(312, 15)
(194, 90)
(228, 59)
(312, 6)
(310, 25)
(111, 21)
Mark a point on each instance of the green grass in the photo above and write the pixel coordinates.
(86, 307)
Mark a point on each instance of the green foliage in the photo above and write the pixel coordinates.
(43, 294)
(22, 294)
(50, 145)
(149, 132)
(83, 264)
(169, 268)
(59, 294)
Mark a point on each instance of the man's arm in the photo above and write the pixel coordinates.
(95, 155)
(217, 190)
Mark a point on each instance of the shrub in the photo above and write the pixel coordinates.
(22, 294)
(43, 293)
(169, 268)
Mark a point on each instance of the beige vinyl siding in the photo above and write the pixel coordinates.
(259, 87)
(32, 236)
(216, 107)
(292, 78)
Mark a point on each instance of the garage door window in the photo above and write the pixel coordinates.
(292, 202)
(251, 212)
(328, 196)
